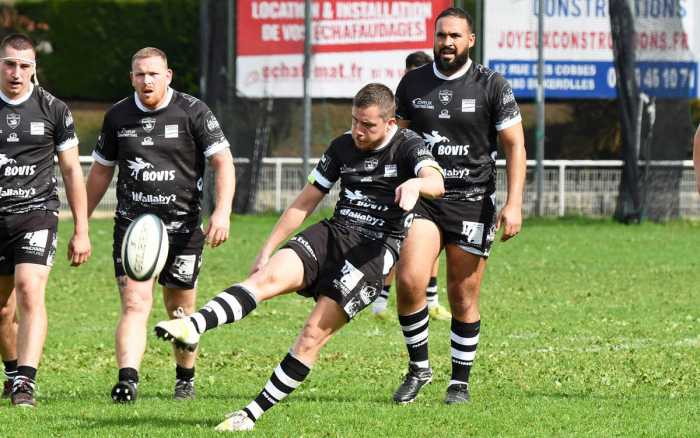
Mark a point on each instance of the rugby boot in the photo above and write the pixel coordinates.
(414, 380)
(180, 331)
(23, 393)
(457, 393)
(236, 421)
(184, 389)
(439, 313)
(124, 392)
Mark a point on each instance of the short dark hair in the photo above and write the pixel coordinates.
(149, 52)
(458, 13)
(417, 59)
(17, 41)
(376, 94)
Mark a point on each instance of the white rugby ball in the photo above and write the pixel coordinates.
(145, 247)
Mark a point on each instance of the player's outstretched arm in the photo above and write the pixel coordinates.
(292, 218)
(429, 184)
(97, 182)
(79, 245)
(511, 216)
(696, 158)
(225, 184)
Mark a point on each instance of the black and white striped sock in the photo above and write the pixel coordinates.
(231, 305)
(10, 369)
(288, 375)
(431, 293)
(415, 332)
(464, 339)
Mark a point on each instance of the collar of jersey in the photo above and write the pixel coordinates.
(456, 75)
(387, 139)
(168, 98)
(18, 100)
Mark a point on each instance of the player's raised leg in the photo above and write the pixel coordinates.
(463, 289)
(8, 332)
(326, 319)
(180, 303)
(284, 273)
(130, 337)
(30, 287)
(422, 243)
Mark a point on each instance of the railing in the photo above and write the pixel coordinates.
(571, 187)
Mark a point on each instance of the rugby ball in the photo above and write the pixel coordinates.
(145, 247)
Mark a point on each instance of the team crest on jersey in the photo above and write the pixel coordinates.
(371, 164)
(445, 96)
(13, 120)
(148, 123)
(212, 124)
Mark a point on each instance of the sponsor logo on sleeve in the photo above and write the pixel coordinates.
(325, 161)
(211, 124)
(68, 119)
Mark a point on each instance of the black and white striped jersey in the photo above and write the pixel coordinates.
(368, 180)
(459, 117)
(33, 129)
(161, 156)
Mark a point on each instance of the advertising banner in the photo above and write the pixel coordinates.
(353, 43)
(578, 47)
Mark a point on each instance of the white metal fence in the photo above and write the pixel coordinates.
(571, 187)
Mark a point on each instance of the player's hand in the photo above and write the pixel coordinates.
(79, 249)
(260, 261)
(407, 194)
(511, 218)
(217, 228)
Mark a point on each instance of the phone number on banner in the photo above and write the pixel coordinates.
(597, 80)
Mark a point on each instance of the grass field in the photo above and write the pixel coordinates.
(588, 328)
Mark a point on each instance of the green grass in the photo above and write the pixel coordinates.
(589, 328)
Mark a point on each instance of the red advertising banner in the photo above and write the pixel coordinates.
(353, 43)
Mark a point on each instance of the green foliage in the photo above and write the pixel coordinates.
(92, 43)
(585, 331)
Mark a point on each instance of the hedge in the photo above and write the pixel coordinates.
(92, 43)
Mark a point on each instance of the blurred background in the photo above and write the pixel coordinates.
(245, 59)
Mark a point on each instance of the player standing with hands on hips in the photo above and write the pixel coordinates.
(462, 110)
(35, 127)
(160, 139)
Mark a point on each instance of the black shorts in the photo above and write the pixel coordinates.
(27, 238)
(471, 225)
(184, 257)
(343, 265)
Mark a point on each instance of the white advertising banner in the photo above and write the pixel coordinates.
(578, 46)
